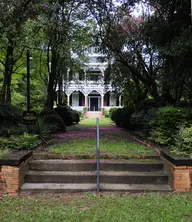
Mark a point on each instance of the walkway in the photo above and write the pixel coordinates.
(81, 139)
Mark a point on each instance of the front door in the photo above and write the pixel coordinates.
(93, 104)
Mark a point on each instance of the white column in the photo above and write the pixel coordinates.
(68, 99)
(86, 105)
(119, 100)
(102, 99)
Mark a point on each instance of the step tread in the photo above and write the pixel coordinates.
(56, 186)
(135, 187)
(90, 173)
(69, 187)
(52, 161)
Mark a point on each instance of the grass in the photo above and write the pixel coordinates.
(110, 147)
(113, 141)
(90, 207)
(91, 122)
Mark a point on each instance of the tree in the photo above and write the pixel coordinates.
(170, 31)
(156, 49)
(14, 15)
(126, 38)
(66, 32)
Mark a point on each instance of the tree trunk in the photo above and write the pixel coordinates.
(152, 87)
(60, 89)
(6, 89)
(51, 83)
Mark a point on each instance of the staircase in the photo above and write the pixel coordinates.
(94, 114)
(58, 176)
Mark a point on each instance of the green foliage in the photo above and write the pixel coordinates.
(55, 122)
(106, 114)
(167, 123)
(85, 109)
(133, 92)
(111, 110)
(43, 128)
(183, 141)
(24, 141)
(10, 115)
(4, 153)
(141, 120)
(146, 105)
(67, 114)
(121, 117)
(80, 114)
(76, 117)
(6, 131)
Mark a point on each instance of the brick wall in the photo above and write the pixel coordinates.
(180, 177)
(12, 177)
(2, 184)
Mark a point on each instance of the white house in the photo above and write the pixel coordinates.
(89, 88)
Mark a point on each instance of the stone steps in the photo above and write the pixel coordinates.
(90, 177)
(94, 114)
(83, 187)
(90, 165)
(80, 175)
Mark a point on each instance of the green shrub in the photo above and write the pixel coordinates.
(111, 112)
(143, 120)
(6, 131)
(4, 153)
(10, 115)
(167, 122)
(121, 117)
(183, 142)
(76, 117)
(43, 128)
(24, 141)
(106, 114)
(55, 122)
(81, 114)
(67, 114)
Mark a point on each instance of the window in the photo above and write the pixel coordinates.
(93, 75)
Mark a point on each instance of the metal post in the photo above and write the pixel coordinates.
(28, 80)
(98, 156)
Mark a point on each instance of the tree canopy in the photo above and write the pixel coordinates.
(151, 51)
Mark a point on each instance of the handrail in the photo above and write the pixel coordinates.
(98, 155)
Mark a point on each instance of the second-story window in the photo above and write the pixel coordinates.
(94, 75)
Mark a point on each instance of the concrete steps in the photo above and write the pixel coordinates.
(84, 187)
(90, 177)
(94, 114)
(80, 175)
(90, 165)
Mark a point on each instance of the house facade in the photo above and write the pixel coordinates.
(90, 88)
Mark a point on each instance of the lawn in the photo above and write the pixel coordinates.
(91, 122)
(113, 141)
(110, 147)
(89, 207)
